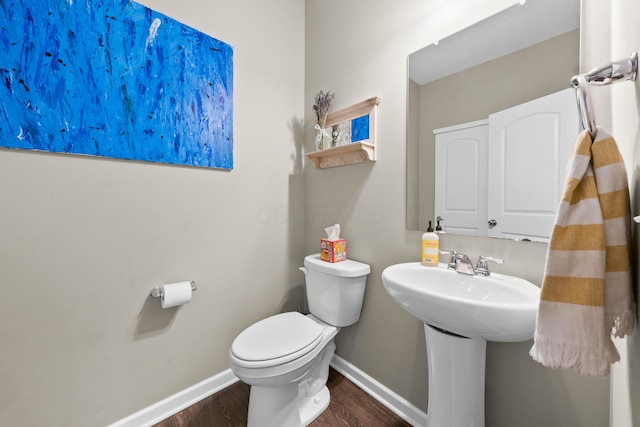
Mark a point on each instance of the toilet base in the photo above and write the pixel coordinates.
(312, 407)
(283, 407)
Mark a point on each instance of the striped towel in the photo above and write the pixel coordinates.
(586, 292)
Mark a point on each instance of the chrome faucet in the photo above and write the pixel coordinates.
(460, 263)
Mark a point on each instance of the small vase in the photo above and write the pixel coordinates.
(319, 138)
(320, 134)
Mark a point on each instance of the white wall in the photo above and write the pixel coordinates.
(625, 38)
(612, 33)
(359, 48)
(83, 241)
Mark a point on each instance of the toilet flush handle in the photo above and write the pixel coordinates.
(303, 269)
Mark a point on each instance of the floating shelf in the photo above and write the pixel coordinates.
(352, 152)
(343, 155)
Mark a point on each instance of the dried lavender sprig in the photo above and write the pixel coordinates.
(322, 105)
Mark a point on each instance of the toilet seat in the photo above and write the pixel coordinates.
(276, 340)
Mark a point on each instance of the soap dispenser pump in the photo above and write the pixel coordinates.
(430, 247)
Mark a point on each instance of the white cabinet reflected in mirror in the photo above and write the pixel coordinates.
(517, 56)
(503, 177)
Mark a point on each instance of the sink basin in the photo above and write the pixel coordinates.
(495, 308)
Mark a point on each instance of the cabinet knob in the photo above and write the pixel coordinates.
(492, 223)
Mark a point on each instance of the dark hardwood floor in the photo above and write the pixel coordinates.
(350, 407)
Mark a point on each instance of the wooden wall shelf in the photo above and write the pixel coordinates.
(343, 155)
(352, 152)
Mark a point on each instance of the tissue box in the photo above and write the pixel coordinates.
(333, 250)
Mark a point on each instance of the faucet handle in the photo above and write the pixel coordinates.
(453, 261)
(482, 267)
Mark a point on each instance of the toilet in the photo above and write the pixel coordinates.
(285, 358)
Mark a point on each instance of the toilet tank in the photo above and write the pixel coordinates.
(335, 290)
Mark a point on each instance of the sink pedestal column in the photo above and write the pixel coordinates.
(456, 379)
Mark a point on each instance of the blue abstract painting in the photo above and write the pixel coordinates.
(113, 78)
(360, 128)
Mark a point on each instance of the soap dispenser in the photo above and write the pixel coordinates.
(430, 247)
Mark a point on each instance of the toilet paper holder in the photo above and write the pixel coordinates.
(157, 291)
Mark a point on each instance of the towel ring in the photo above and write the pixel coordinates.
(583, 97)
(612, 72)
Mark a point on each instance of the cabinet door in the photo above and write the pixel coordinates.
(529, 147)
(461, 178)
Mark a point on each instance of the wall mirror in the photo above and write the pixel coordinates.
(522, 54)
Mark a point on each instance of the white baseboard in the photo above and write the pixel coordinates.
(165, 408)
(399, 405)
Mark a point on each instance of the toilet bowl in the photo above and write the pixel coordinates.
(285, 358)
(289, 383)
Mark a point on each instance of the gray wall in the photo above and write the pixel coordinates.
(359, 55)
(83, 241)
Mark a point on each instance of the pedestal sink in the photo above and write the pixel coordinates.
(460, 314)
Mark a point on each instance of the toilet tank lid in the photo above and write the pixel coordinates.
(347, 268)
